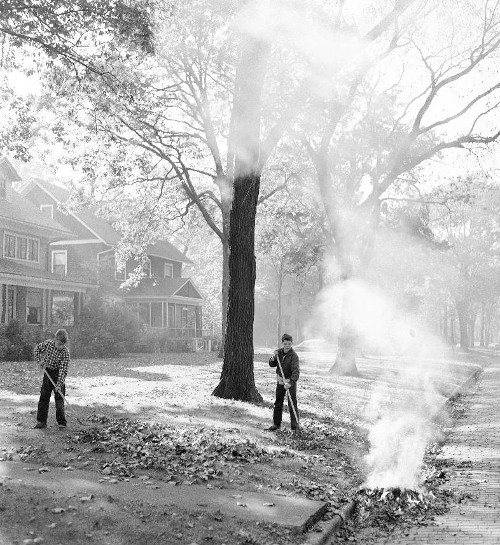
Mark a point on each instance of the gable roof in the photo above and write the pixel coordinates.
(165, 288)
(21, 210)
(101, 228)
(7, 171)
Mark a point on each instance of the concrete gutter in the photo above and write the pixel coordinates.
(330, 528)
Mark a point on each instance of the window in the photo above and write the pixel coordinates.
(168, 270)
(171, 316)
(60, 262)
(33, 306)
(147, 269)
(63, 308)
(156, 314)
(11, 303)
(48, 209)
(144, 313)
(20, 247)
(33, 249)
(9, 245)
(3, 189)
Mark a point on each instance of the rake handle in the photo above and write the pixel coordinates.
(288, 396)
(54, 384)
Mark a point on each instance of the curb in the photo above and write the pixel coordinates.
(330, 529)
(473, 377)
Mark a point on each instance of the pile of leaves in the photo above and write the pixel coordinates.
(197, 453)
(385, 510)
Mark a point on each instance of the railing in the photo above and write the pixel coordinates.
(183, 332)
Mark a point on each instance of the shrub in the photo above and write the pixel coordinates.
(178, 345)
(18, 340)
(104, 330)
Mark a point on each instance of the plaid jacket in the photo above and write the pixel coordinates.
(53, 358)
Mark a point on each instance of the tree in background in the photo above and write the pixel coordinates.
(390, 113)
(194, 112)
(468, 223)
(76, 34)
(290, 243)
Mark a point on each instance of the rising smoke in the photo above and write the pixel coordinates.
(405, 399)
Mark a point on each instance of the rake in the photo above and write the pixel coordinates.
(54, 384)
(288, 396)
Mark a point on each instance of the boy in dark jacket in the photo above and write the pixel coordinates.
(53, 357)
(288, 382)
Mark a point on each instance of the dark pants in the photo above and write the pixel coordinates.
(43, 403)
(278, 405)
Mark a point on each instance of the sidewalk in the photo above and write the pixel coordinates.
(296, 513)
(473, 452)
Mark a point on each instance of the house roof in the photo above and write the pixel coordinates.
(165, 288)
(8, 171)
(102, 228)
(11, 268)
(20, 209)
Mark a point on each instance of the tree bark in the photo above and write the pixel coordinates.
(237, 378)
(226, 209)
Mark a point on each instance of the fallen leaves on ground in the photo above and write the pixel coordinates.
(198, 454)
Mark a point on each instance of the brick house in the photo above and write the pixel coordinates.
(31, 290)
(163, 298)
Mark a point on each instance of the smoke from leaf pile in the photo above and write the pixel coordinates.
(404, 401)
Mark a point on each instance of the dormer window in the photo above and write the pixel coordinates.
(60, 262)
(146, 269)
(3, 189)
(48, 209)
(168, 270)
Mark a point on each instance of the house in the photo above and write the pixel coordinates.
(33, 288)
(162, 299)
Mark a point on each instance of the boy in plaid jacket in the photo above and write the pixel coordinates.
(53, 357)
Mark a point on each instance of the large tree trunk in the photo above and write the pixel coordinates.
(225, 272)
(237, 378)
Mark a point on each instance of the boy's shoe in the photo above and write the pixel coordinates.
(39, 426)
(273, 428)
(62, 426)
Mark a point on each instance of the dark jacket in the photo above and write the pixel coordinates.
(289, 363)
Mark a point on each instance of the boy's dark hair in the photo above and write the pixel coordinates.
(61, 335)
(286, 337)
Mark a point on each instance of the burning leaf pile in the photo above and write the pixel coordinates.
(383, 510)
(197, 453)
